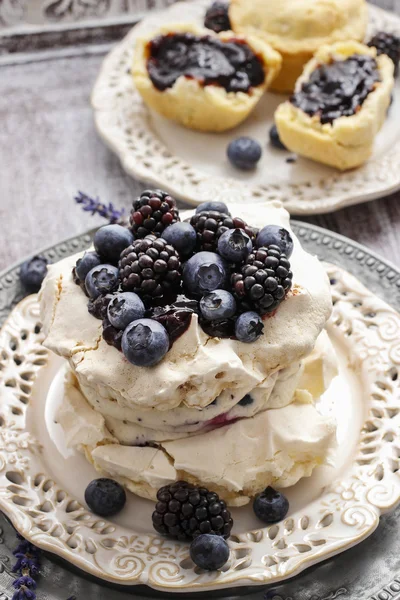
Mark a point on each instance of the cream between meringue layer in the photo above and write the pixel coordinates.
(275, 447)
(198, 368)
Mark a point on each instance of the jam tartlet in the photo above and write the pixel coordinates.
(298, 29)
(339, 105)
(203, 80)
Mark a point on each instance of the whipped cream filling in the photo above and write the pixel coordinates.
(198, 368)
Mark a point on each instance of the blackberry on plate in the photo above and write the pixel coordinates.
(387, 43)
(217, 17)
(210, 225)
(264, 280)
(150, 268)
(153, 212)
(185, 511)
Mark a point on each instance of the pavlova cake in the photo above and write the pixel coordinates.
(195, 350)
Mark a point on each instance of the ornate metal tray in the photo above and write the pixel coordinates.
(373, 487)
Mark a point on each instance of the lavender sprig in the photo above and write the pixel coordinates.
(95, 207)
(27, 566)
(25, 588)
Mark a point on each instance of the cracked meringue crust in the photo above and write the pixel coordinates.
(193, 104)
(348, 141)
(198, 368)
(298, 29)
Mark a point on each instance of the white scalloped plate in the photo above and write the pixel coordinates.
(42, 483)
(193, 165)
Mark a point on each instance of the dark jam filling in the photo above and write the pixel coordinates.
(338, 89)
(231, 65)
(176, 317)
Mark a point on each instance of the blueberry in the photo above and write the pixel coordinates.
(32, 273)
(101, 280)
(217, 305)
(244, 153)
(234, 245)
(271, 506)
(214, 206)
(145, 342)
(274, 138)
(110, 240)
(205, 272)
(125, 308)
(182, 236)
(85, 264)
(105, 497)
(209, 552)
(277, 236)
(249, 327)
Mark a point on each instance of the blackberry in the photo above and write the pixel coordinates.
(185, 511)
(111, 335)
(210, 225)
(264, 280)
(387, 43)
(98, 307)
(217, 17)
(150, 267)
(153, 212)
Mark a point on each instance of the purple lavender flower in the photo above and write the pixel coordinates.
(95, 207)
(25, 588)
(26, 561)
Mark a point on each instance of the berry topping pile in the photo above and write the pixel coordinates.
(387, 43)
(146, 282)
(185, 511)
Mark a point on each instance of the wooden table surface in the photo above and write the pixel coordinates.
(49, 149)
